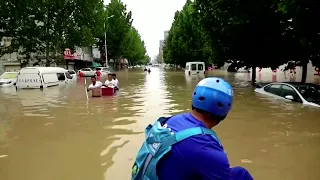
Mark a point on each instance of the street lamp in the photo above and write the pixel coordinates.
(105, 40)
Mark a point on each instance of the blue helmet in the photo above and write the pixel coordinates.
(213, 95)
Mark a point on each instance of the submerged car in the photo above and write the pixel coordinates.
(73, 74)
(8, 79)
(305, 93)
(86, 72)
(104, 70)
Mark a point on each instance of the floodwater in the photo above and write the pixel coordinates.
(56, 134)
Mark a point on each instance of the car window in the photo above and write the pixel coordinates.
(273, 89)
(9, 76)
(105, 69)
(71, 72)
(61, 76)
(68, 75)
(310, 93)
(287, 90)
(200, 67)
(193, 67)
(98, 69)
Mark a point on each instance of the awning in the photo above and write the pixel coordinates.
(95, 64)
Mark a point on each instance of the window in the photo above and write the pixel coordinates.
(49, 78)
(200, 67)
(72, 72)
(9, 75)
(61, 76)
(310, 93)
(273, 89)
(287, 90)
(68, 75)
(105, 69)
(193, 67)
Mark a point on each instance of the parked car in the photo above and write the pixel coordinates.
(73, 74)
(86, 72)
(305, 93)
(104, 70)
(8, 79)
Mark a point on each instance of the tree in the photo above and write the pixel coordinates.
(302, 32)
(50, 26)
(118, 23)
(247, 31)
(123, 39)
(135, 50)
(186, 40)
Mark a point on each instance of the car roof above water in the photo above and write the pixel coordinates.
(32, 70)
(294, 84)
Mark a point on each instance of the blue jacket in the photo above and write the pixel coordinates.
(198, 157)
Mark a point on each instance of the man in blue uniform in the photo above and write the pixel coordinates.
(200, 156)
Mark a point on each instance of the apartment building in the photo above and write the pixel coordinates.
(161, 44)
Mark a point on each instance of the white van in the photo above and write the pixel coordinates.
(193, 68)
(42, 77)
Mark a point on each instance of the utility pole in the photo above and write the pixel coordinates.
(47, 36)
(105, 40)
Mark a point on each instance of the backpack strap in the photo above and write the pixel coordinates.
(163, 120)
(184, 134)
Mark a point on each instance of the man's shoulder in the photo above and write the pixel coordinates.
(178, 116)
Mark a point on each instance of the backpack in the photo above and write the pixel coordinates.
(158, 142)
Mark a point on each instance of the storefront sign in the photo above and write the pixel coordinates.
(68, 54)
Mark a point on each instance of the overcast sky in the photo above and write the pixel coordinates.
(152, 18)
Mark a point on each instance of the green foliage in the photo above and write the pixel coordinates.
(248, 31)
(303, 32)
(50, 25)
(186, 40)
(134, 47)
(252, 33)
(123, 40)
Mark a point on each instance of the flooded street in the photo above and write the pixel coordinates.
(56, 134)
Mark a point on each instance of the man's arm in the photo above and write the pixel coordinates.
(89, 88)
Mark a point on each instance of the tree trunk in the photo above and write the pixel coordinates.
(304, 71)
(253, 75)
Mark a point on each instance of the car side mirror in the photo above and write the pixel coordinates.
(290, 97)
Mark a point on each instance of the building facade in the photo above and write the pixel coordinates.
(79, 58)
(161, 44)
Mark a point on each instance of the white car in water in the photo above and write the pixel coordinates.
(305, 93)
(73, 74)
(104, 70)
(87, 72)
(8, 79)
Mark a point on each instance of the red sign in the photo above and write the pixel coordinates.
(68, 54)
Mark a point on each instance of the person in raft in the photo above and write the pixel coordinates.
(115, 81)
(183, 147)
(94, 84)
